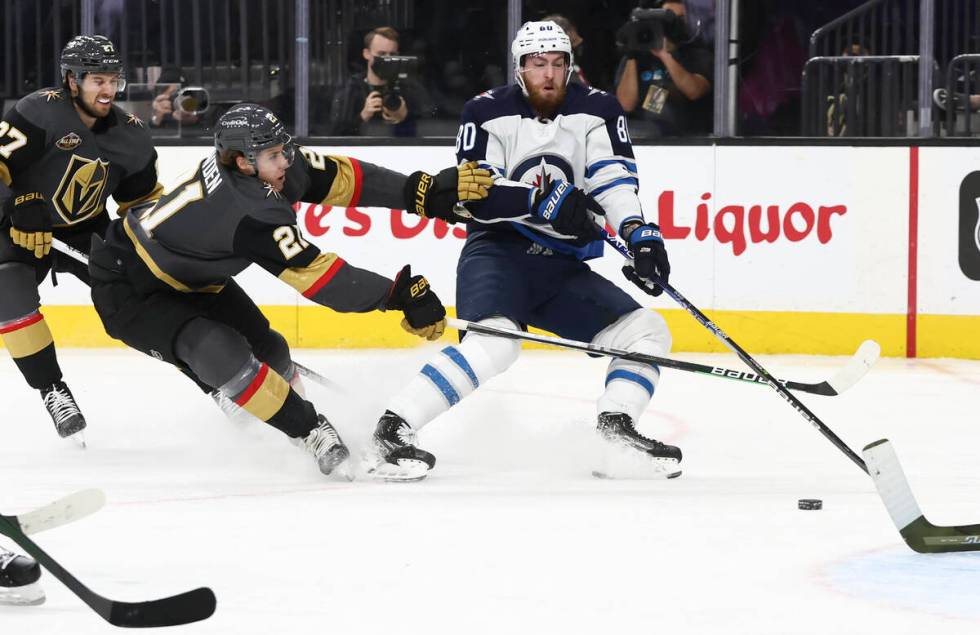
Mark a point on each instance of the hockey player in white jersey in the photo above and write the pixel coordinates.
(561, 155)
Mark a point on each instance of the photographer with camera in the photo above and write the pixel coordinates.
(386, 99)
(178, 106)
(666, 73)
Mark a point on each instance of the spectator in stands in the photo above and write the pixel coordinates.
(669, 88)
(853, 77)
(578, 51)
(941, 98)
(189, 113)
(371, 106)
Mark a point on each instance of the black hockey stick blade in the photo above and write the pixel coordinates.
(192, 606)
(920, 534)
(185, 608)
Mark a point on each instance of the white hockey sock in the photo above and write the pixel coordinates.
(630, 385)
(453, 373)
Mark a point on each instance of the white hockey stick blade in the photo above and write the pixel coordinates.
(920, 534)
(62, 511)
(857, 366)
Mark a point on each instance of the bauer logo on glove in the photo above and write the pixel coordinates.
(424, 314)
(436, 196)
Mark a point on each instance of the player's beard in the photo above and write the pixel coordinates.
(546, 104)
(88, 109)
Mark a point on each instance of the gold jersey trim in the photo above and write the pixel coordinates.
(5, 174)
(345, 185)
(155, 194)
(160, 273)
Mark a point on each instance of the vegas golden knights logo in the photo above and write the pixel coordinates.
(969, 247)
(79, 195)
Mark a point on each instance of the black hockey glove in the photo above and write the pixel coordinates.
(435, 196)
(568, 209)
(650, 264)
(30, 221)
(424, 314)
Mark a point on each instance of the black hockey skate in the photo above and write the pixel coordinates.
(19, 577)
(625, 445)
(68, 419)
(395, 457)
(395, 439)
(325, 445)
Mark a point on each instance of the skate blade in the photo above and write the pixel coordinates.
(27, 595)
(402, 471)
(335, 462)
(79, 439)
(651, 475)
(344, 471)
(624, 463)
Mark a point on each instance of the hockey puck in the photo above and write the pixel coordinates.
(810, 503)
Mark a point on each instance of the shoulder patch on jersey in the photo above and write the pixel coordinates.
(133, 120)
(270, 190)
(52, 94)
(68, 142)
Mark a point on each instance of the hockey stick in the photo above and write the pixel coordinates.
(882, 462)
(61, 512)
(192, 606)
(747, 359)
(855, 368)
(920, 534)
(317, 378)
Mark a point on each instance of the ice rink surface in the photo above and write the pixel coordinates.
(510, 533)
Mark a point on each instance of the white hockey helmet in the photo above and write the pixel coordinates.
(540, 37)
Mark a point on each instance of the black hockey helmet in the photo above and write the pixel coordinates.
(249, 129)
(91, 54)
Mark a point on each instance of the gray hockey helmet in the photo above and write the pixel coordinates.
(249, 129)
(91, 54)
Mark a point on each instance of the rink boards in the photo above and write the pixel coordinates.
(790, 249)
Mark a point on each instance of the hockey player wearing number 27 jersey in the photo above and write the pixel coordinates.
(560, 155)
(162, 281)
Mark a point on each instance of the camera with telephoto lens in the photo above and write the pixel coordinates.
(394, 69)
(193, 100)
(647, 28)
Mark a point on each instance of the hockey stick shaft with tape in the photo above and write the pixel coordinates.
(852, 371)
(748, 360)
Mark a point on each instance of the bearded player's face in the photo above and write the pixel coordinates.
(96, 92)
(544, 77)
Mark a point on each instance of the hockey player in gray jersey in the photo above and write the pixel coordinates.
(561, 158)
(63, 152)
(162, 281)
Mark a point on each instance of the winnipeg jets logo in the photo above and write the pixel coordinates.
(270, 190)
(133, 120)
(53, 94)
(535, 170)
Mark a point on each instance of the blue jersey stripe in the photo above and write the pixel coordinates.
(441, 383)
(598, 165)
(626, 180)
(628, 375)
(453, 353)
